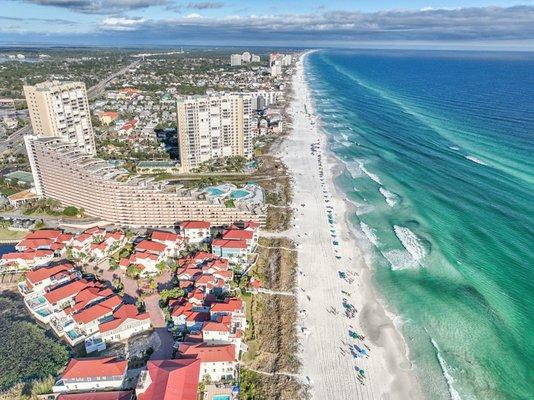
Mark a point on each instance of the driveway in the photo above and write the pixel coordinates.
(164, 349)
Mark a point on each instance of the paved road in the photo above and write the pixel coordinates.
(164, 349)
(92, 93)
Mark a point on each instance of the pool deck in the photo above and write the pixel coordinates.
(212, 391)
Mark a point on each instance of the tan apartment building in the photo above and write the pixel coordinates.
(61, 109)
(213, 126)
(62, 172)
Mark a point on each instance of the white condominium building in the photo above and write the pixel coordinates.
(235, 60)
(61, 109)
(213, 126)
(62, 172)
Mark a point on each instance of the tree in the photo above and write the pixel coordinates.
(174, 293)
(26, 352)
(70, 211)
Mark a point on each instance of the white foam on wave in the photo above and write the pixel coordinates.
(455, 148)
(354, 169)
(369, 233)
(400, 259)
(391, 198)
(411, 242)
(476, 160)
(372, 176)
(445, 370)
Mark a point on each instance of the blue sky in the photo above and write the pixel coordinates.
(453, 23)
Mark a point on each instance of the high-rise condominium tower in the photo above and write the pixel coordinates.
(61, 109)
(212, 126)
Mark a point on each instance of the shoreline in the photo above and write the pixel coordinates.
(327, 250)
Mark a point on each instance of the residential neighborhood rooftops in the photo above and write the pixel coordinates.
(238, 234)
(229, 244)
(208, 353)
(150, 246)
(117, 395)
(171, 380)
(195, 225)
(97, 310)
(94, 367)
(40, 274)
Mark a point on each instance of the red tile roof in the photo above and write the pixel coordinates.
(195, 225)
(38, 275)
(122, 314)
(34, 244)
(237, 234)
(44, 234)
(121, 395)
(207, 353)
(96, 311)
(216, 327)
(28, 255)
(161, 236)
(229, 244)
(230, 305)
(68, 290)
(148, 245)
(94, 367)
(172, 380)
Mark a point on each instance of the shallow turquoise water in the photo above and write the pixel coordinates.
(438, 149)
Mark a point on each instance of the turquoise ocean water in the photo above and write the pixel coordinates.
(438, 149)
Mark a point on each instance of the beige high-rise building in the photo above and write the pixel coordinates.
(61, 109)
(63, 172)
(213, 126)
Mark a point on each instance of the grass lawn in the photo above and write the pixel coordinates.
(7, 234)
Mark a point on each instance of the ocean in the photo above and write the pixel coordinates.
(438, 155)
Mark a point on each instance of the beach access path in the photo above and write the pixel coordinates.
(328, 366)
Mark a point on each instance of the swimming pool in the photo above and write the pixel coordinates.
(221, 397)
(73, 335)
(239, 193)
(43, 312)
(213, 191)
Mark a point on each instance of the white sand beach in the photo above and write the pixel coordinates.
(328, 365)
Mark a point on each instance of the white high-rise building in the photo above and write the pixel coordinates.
(61, 109)
(212, 126)
(255, 58)
(235, 60)
(245, 57)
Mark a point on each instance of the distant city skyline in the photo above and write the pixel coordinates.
(336, 23)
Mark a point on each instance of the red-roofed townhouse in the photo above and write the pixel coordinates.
(217, 361)
(169, 380)
(115, 395)
(51, 234)
(34, 244)
(211, 284)
(147, 261)
(26, 259)
(241, 234)
(173, 242)
(195, 231)
(233, 307)
(235, 251)
(39, 279)
(80, 245)
(88, 319)
(86, 374)
(126, 322)
(214, 331)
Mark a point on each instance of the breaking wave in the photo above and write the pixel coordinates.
(391, 198)
(369, 233)
(450, 380)
(411, 242)
(476, 160)
(372, 176)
